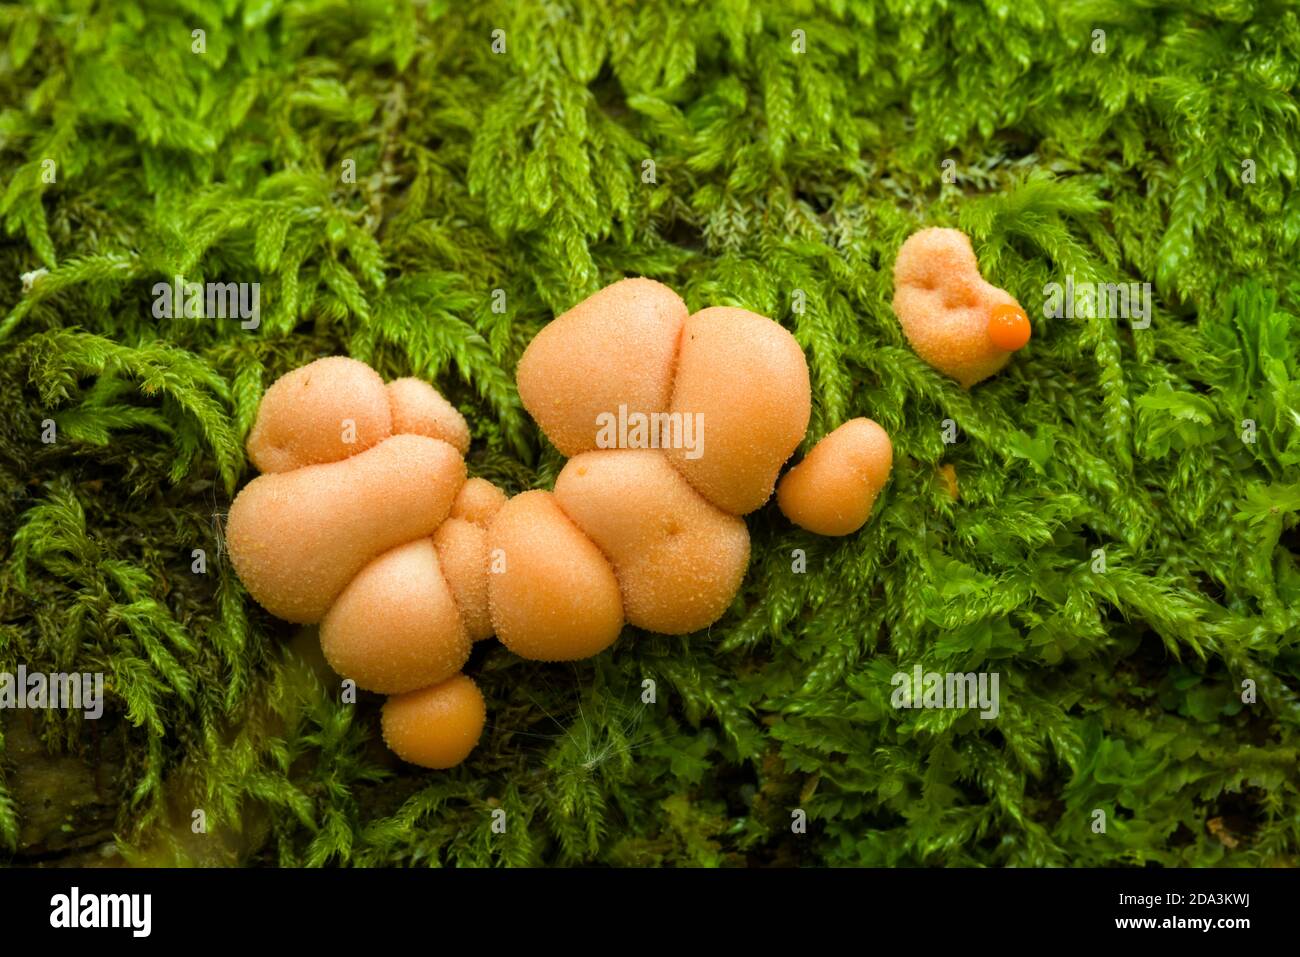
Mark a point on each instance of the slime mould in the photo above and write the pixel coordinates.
(364, 521)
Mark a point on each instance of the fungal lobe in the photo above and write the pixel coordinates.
(478, 501)
(554, 596)
(746, 379)
(297, 538)
(616, 347)
(419, 409)
(463, 552)
(679, 560)
(435, 727)
(325, 411)
(832, 491)
(949, 313)
(396, 626)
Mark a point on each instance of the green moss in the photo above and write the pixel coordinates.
(774, 172)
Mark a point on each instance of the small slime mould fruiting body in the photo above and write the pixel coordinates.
(832, 491)
(960, 324)
(365, 522)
